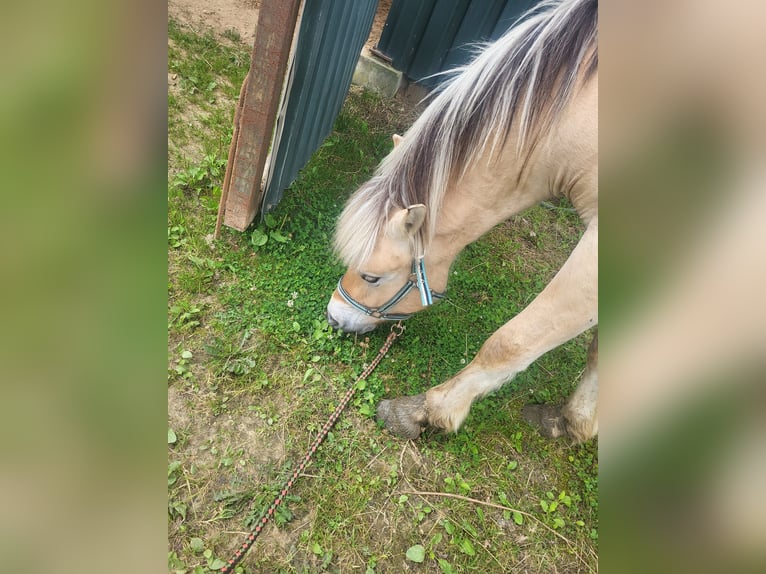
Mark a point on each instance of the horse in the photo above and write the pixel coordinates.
(516, 126)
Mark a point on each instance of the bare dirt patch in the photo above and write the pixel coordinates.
(241, 16)
(377, 25)
(219, 15)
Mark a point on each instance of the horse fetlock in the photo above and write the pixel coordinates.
(578, 425)
(556, 421)
(404, 416)
(448, 404)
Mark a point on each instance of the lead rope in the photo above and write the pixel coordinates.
(396, 330)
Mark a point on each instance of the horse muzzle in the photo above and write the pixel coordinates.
(342, 316)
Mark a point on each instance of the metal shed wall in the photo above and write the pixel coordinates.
(425, 37)
(331, 36)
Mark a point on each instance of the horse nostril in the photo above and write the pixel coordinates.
(331, 320)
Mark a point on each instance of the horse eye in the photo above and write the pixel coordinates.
(371, 279)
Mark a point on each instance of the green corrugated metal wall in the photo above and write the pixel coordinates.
(331, 36)
(425, 37)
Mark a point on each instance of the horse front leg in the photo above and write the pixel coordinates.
(565, 308)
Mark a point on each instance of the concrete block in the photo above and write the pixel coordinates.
(376, 75)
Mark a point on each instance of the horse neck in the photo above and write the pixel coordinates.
(482, 198)
(461, 221)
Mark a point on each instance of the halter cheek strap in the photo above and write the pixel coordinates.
(426, 296)
(417, 279)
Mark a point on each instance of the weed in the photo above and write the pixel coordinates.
(176, 236)
(456, 484)
(176, 508)
(416, 553)
(233, 35)
(269, 231)
(200, 177)
(184, 316)
(181, 367)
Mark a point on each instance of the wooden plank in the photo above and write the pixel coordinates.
(257, 114)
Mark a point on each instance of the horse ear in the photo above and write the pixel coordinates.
(406, 222)
(397, 139)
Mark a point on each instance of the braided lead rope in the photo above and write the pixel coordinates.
(396, 330)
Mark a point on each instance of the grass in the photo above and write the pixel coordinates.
(254, 371)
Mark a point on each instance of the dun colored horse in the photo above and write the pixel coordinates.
(516, 126)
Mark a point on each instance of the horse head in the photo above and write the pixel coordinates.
(391, 284)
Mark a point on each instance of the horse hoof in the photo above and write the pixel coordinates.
(404, 416)
(548, 419)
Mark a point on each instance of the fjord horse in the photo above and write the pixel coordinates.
(516, 126)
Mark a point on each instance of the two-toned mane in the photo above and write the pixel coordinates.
(516, 126)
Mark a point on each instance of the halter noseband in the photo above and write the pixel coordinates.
(417, 279)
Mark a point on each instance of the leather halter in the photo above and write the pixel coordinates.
(417, 279)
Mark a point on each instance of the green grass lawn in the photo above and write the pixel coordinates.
(254, 372)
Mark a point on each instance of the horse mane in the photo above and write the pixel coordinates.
(528, 75)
